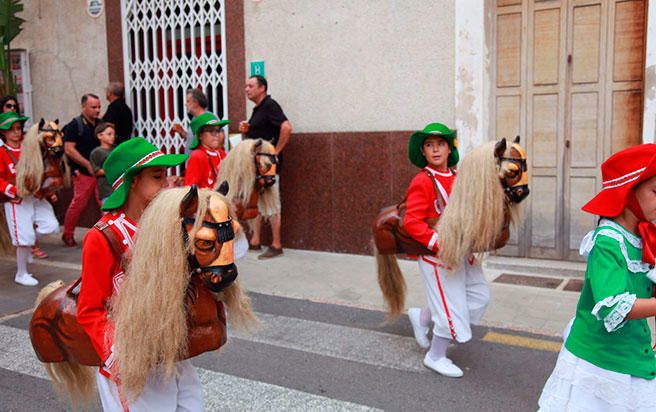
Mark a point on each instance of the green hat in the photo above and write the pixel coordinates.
(9, 118)
(205, 119)
(126, 160)
(433, 130)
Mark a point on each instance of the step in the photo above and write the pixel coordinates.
(561, 268)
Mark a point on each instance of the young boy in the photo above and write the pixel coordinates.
(26, 216)
(203, 166)
(137, 172)
(456, 297)
(105, 133)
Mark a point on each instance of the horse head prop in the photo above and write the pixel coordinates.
(181, 273)
(250, 169)
(491, 181)
(42, 168)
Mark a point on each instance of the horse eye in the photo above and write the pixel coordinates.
(204, 245)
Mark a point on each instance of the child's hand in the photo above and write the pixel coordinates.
(100, 172)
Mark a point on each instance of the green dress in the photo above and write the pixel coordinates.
(614, 279)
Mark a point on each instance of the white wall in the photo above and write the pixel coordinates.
(356, 65)
(68, 55)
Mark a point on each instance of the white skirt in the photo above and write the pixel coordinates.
(576, 385)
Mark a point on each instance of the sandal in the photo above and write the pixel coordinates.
(38, 253)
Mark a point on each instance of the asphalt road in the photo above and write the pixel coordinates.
(308, 356)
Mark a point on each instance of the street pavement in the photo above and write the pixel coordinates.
(324, 344)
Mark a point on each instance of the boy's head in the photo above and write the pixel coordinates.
(137, 168)
(207, 129)
(436, 146)
(106, 134)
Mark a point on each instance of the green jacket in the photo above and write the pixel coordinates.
(615, 277)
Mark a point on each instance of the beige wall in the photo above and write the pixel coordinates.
(365, 65)
(68, 55)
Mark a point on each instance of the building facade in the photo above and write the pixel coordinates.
(575, 79)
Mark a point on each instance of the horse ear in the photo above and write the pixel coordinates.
(516, 141)
(500, 148)
(189, 203)
(224, 187)
(257, 144)
(41, 123)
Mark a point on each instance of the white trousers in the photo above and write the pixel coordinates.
(182, 393)
(22, 217)
(461, 296)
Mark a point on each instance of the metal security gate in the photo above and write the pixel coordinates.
(169, 47)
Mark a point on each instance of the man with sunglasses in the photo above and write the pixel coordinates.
(203, 165)
(267, 122)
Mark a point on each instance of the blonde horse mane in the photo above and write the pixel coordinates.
(150, 312)
(475, 212)
(29, 170)
(238, 169)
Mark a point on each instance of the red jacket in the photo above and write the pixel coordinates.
(203, 167)
(8, 170)
(422, 204)
(102, 275)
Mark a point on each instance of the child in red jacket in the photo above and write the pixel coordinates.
(456, 298)
(203, 166)
(137, 172)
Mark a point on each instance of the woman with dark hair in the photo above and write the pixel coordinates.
(9, 103)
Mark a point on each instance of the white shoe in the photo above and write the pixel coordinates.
(26, 279)
(421, 332)
(443, 366)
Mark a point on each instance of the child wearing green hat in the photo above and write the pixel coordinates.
(26, 215)
(137, 172)
(456, 298)
(203, 166)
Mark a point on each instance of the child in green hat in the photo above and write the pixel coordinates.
(456, 297)
(137, 172)
(27, 214)
(203, 166)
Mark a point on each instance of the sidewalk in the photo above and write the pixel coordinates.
(351, 280)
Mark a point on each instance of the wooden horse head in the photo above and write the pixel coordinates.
(513, 170)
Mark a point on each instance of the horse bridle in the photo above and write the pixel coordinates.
(265, 181)
(218, 277)
(516, 193)
(58, 151)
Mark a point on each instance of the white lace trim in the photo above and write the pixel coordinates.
(634, 266)
(608, 389)
(636, 241)
(617, 317)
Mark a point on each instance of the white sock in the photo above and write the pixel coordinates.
(22, 254)
(425, 317)
(438, 347)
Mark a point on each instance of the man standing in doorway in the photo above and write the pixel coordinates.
(267, 122)
(196, 105)
(79, 141)
(118, 112)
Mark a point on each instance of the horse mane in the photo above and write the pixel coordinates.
(475, 212)
(238, 169)
(150, 313)
(29, 170)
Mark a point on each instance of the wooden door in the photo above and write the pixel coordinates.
(569, 81)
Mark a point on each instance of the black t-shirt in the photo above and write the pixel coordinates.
(266, 120)
(120, 115)
(84, 143)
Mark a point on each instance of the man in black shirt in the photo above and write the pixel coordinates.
(118, 113)
(267, 122)
(79, 140)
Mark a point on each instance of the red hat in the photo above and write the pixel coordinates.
(620, 173)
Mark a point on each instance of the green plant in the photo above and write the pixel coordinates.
(10, 27)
